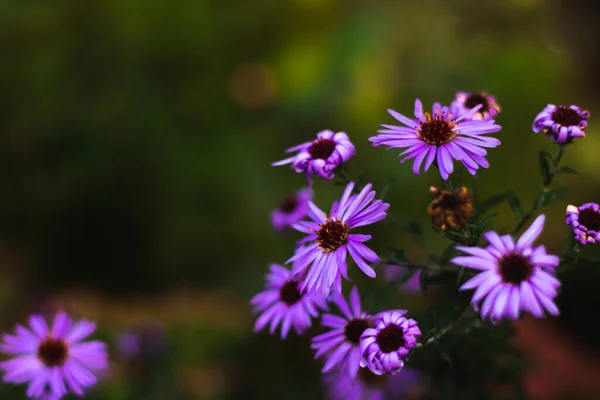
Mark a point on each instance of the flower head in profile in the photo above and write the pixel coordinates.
(561, 123)
(283, 302)
(329, 240)
(466, 101)
(55, 361)
(513, 277)
(321, 156)
(450, 209)
(369, 386)
(292, 209)
(585, 222)
(443, 135)
(341, 343)
(385, 346)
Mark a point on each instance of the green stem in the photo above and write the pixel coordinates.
(547, 182)
(445, 330)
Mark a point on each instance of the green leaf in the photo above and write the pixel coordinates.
(549, 196)
(398, 256)
(447, 254)
(483, 224)
(544, 166)
(565, 170)
(491, 202)
(386, 188)
(515, 204)
(423, 280)
(455, 237)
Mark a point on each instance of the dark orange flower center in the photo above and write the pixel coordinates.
(590, 219)
(437, 130)
(354, 329)
(289, 293)
(53, 352)
(321, 148)
(331, 235)
(390, 338)
(566, 116)
(515, 268)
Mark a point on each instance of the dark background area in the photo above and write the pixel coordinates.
(136, 139)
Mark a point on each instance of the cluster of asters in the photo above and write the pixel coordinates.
(364, 354)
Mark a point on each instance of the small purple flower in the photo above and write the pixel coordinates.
(442, 136)
(466, 101)
(385, 346)
(292, 209)
(585, 222)
(330, 240)
(283, 302)
(145, 341)
(368, 386)
(342, 342)
(561, 123)
(514, 277)
(321, 156)
(49, 358)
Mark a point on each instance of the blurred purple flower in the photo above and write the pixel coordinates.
(321, 156)
(442, 136)
(466, 101)
(561, 123)
(368, 386)
(49, 358)
(385, 346)
(283, 302)
(342, 342)
(514, 277)
(393, 273)
(585, 222)
(330, 240)
(292, 209)
(146, 341)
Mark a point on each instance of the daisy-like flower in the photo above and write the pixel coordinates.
(321, 156)
(385, 346)
(585, 222)
(283, 302)
(54, 361)
(561, 123)
(444, 135)
(450, 209)
(329, 240)
(514, 277)
(292, 209)
(342, 342)
(368, 386)
(466, 101)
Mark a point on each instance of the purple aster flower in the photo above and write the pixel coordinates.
(145, 341)
(466, 101)
(49, 358)
(368, 386)
(561, 123)
(585, 222)
(329, 240)
(444, 135)
(292, 209)
(513, 277)
(283, 302)
(342, 342)
(321, 156)
(385, 346)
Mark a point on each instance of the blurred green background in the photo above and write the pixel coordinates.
(136, 139)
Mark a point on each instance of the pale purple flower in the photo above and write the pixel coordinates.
(283, 302)
(466, 101)
(55, 361)
(292, 209)
(368, 386)
(385, 346)
(145, 341)
(561, 123)
(321, 156)
(329, 240)
(442, 136)
(513, 277)
(341, 343)
(585, 222)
